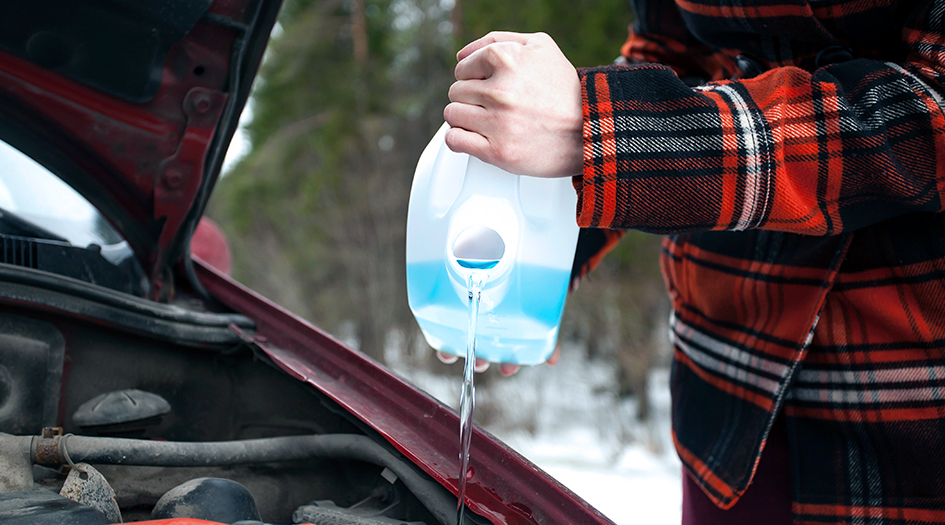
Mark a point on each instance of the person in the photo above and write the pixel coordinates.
(793, 153)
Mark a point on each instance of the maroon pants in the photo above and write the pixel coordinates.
(767, 500)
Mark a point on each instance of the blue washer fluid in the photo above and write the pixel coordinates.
(525, 231)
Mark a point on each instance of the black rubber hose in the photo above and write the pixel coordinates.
(118, 451)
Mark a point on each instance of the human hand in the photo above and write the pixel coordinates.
(506, 369)
(516, 104)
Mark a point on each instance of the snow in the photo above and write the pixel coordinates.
(566, 420)
(638, 487)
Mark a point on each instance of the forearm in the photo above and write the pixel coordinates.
(818, 153)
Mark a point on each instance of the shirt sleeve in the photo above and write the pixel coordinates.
(816, 153)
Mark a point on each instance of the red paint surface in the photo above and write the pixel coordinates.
(128, 149)
(209, 245)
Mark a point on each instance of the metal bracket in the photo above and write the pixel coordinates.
(46, 447)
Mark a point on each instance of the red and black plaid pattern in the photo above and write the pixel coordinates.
(806, 256)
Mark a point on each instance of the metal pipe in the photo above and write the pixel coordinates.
(55, 450)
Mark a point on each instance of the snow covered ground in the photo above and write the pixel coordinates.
(638, 488)
(566, 420)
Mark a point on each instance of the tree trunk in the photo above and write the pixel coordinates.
(456, 19)
(359, 31)
(370, 341)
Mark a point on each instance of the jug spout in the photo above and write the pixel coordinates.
(478, 247)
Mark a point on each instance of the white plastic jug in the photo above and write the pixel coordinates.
(517, 233)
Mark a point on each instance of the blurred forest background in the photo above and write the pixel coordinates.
(349, 94)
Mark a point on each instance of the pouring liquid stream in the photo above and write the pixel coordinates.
(468, 395)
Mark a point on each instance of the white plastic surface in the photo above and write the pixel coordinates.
(462, 208)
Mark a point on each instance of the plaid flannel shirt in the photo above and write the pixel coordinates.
(804, 255)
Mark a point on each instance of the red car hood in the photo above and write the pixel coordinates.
(133, 103)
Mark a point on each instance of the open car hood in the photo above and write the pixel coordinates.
(133, 103)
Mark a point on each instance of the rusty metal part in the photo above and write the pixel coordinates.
(88, 486)
(45, 449)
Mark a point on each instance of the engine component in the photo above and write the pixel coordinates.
(212, 499)
(31, 358)
(123, 413)
(383, 507)
(327, 513)
(88, 486)
(41, 507)
(52, 449)
(16, 470)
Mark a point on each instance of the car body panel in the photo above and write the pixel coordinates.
(147, 165)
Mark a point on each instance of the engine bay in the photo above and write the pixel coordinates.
(107, 426)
